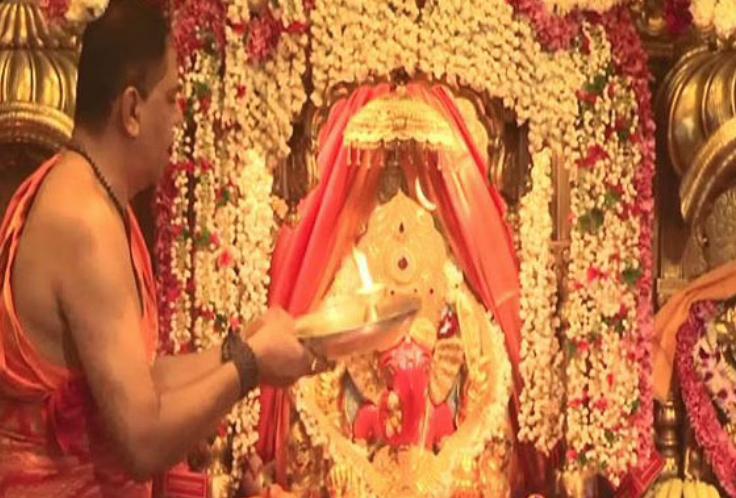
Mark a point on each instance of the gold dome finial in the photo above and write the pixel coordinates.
(38, 74)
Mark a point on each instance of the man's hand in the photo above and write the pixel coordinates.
(282, 359)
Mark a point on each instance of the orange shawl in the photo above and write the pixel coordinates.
(716, 285)
(50, 439)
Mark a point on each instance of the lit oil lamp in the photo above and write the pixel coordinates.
(364, 322)
(371, 293)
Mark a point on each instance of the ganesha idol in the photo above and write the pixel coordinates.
(427, 417)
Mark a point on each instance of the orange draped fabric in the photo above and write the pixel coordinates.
(51, 442)
(716, 285)
(471, 211)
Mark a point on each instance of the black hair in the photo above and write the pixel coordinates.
(125, 47)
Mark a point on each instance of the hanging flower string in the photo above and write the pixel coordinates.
(544, 391)
(630, 59)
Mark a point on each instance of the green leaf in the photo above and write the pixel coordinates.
(624, 134)
(610, 436)
(635, 406)
(597, 85)
(224, 198)
(221, 322)
(591, 221)
(582, 459)
(611, 199)
(202, 90)
(572, 349)
(620, 328)
(203, 240)
(631, 276)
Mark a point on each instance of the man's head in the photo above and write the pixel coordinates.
(127, 84)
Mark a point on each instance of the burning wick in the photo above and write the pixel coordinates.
(365, 274)
(370, 289)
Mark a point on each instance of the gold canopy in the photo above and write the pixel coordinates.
(399, 118)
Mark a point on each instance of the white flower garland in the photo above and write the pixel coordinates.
(229, 251)
(544, 392)
(265, 99)
(564, 7)
(602, 378)
(478, 43)
(181, 245)
(717, 14)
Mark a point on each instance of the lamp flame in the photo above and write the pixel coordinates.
(365, 274)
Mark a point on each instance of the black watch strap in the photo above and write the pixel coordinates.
(235, 349)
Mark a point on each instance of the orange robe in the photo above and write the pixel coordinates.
(51, 441)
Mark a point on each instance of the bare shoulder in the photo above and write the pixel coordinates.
(69, 235)
(72, 215)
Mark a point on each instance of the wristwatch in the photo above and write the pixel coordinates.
(235, 349)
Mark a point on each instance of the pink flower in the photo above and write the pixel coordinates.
(595, 153)
(197, 25)
(55, 10)
(263, 36)
(553, 32)
(709, 433)
(678, 16)
(215, 240)
(601, 404)
(595, 274)
(226, 259)
(234, 323)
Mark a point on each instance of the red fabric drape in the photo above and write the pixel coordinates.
(471, 212)
(307, 256)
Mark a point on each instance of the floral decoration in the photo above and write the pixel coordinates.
(544, 392)
(73, 11)
(705, 15)
(574, 72)
(719, 448)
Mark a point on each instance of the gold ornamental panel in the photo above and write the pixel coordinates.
(38, 72)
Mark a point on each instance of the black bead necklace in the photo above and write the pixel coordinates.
(79, 149)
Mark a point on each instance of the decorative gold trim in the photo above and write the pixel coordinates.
(23, 122)
(713, 169)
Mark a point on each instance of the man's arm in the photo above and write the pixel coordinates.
(153, 427)
(171, 372)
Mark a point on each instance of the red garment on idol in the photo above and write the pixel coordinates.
(52, 444)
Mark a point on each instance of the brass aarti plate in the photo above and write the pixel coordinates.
(357, 326)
